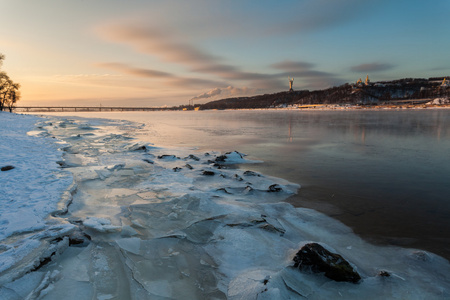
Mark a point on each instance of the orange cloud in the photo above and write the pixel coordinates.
(158, 42)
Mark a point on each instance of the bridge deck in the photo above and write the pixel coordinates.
(82, 108)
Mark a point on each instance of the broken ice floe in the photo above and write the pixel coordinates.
(207, 231)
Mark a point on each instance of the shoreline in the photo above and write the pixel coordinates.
(394, 235)
(157, 203)
(99, 109)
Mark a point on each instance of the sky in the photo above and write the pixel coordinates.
(164, 52)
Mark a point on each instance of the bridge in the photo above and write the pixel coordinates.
(83, 108)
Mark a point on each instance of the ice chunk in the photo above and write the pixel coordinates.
(128, 231)
(100, 224)
(132, 245)
(234, 157)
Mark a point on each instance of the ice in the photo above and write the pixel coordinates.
(30, 193)
(132, 245)
(160, 229)
(22, 286)
(128, 231)
(100, 224)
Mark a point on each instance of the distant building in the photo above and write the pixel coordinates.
(360, 83)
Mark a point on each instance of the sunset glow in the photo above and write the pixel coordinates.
(155, 53)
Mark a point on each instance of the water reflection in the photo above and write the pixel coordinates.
(290, 138)
(384, 173)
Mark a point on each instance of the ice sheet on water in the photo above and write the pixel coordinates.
(162, 229)
(100, 224)
(132, 245)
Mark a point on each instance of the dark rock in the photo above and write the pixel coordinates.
(167, 156)
(177, 169)
(237, 177)
(7, 168)
(189, 166)
(139, 148)
(274, 188)
(62, 164)
(191, 156)
(148, 161)
(221, 158)
(383, 273)
(315, 258)
(251, 173)
(208, 173)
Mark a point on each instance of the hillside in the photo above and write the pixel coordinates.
(383, 92)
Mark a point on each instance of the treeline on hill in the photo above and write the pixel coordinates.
(373, 93)
(9, 90)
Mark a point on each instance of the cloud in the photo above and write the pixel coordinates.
(310, 77)
(372, 67)
(298, 69)
(169, 79)
(170, 46)
(289, 65)
(194, 82)
(316, 15)
(217, 69)
(163, 43)
(135, 71)
(209, 70)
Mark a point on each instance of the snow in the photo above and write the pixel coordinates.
(29, 193)
(162, 230)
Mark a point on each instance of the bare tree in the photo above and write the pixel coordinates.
(9, 91)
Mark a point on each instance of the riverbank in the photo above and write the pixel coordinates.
(32, 185)
(96, 109)
(161, 228)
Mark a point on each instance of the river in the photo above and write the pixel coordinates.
(383, 173)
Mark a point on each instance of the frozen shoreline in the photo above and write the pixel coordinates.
(29, 193)
(142, 207)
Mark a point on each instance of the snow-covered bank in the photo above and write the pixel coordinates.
(29, 192)
(179, 224)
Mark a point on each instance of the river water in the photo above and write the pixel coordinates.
(158, 219)
(383, 173)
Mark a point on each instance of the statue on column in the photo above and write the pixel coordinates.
(291, 83)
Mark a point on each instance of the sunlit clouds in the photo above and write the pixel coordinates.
(203, 69)
(156, 53)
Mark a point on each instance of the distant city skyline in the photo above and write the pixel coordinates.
(155, 53)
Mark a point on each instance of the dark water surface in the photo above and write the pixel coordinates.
(386, 174)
